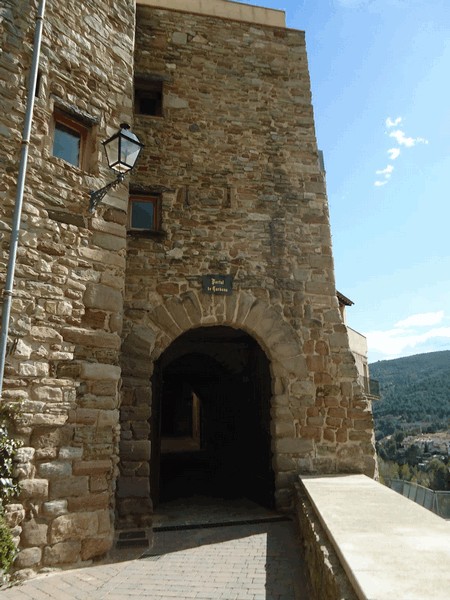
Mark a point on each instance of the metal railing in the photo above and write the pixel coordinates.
(436, 501)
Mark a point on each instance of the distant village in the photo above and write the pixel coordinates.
(429, 446)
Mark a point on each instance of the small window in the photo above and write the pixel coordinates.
(144, 213)
(148, 97)
(69, 139)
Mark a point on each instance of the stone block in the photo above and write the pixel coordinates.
(109, 242)
(333, 422)
(91, 339)
(68, 487)
(108, 418)
(311, 433)
(283, 428)
(45, 335)
(105, 388)
(104, 518)
(54, 508)
(192, 306)
(95, 547)
(175, 307)
(331, 402)
(366, 424)
(47, 393)
(62, 553)
(99, 371)
(14, 514)
(315, 421)
(70, 453)
(52, 470)
(179, 38)
(135, 450)
(342, 435)
(33, 534)
(137, 487)
(92, 467)
(84, 416)
(297, 446)
(135, 506)
(24, 454)
(337, 412)
(28, 557)
(329, 435)
(140, 341)
(284, 463)
(360, 436)
(141, 431)
(76, 526)
(34, 489)
(303, 388)
(98, 483)
(89, 502)
(46, 454)
(164, 321)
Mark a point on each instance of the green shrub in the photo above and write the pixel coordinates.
(7, 550)
(8, 490)
(8, 448)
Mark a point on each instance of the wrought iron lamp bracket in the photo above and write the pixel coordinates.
(97, 196)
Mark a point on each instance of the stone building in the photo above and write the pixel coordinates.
(186, 337)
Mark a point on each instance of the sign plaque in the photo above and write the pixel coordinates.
(221, 285)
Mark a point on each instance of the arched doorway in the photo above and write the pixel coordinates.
(210, 425)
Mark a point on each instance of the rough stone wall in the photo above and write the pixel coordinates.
(63, 373)
(235, 158)
(327, 577)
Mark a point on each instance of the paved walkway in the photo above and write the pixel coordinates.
(253, 561)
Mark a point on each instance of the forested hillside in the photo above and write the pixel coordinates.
(415, 393)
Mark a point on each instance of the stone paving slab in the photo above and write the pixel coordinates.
(258, 561)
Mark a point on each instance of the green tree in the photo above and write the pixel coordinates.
(438, 472)
(405, 472)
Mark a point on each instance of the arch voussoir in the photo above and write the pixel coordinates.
(176, 309)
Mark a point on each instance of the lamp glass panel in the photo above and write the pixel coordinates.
(129, 152)
(112, 150)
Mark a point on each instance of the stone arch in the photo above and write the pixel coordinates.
(163, 324)
(144, 343)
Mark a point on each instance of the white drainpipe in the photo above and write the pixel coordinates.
(9, 285)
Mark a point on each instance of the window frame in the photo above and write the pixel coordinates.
(152, 198)
(71, 123)
(143, 86)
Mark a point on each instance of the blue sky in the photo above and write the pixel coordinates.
(380, 76)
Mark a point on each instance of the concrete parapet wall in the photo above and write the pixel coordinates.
(327, 578)
(359, 532)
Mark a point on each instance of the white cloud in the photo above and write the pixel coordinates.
(387, 172)
(411, 335)
(422, 319)
(393, 122)
(403, 140)
(394, 153)
(400, 342)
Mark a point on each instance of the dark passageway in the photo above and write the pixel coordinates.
(211, 418)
